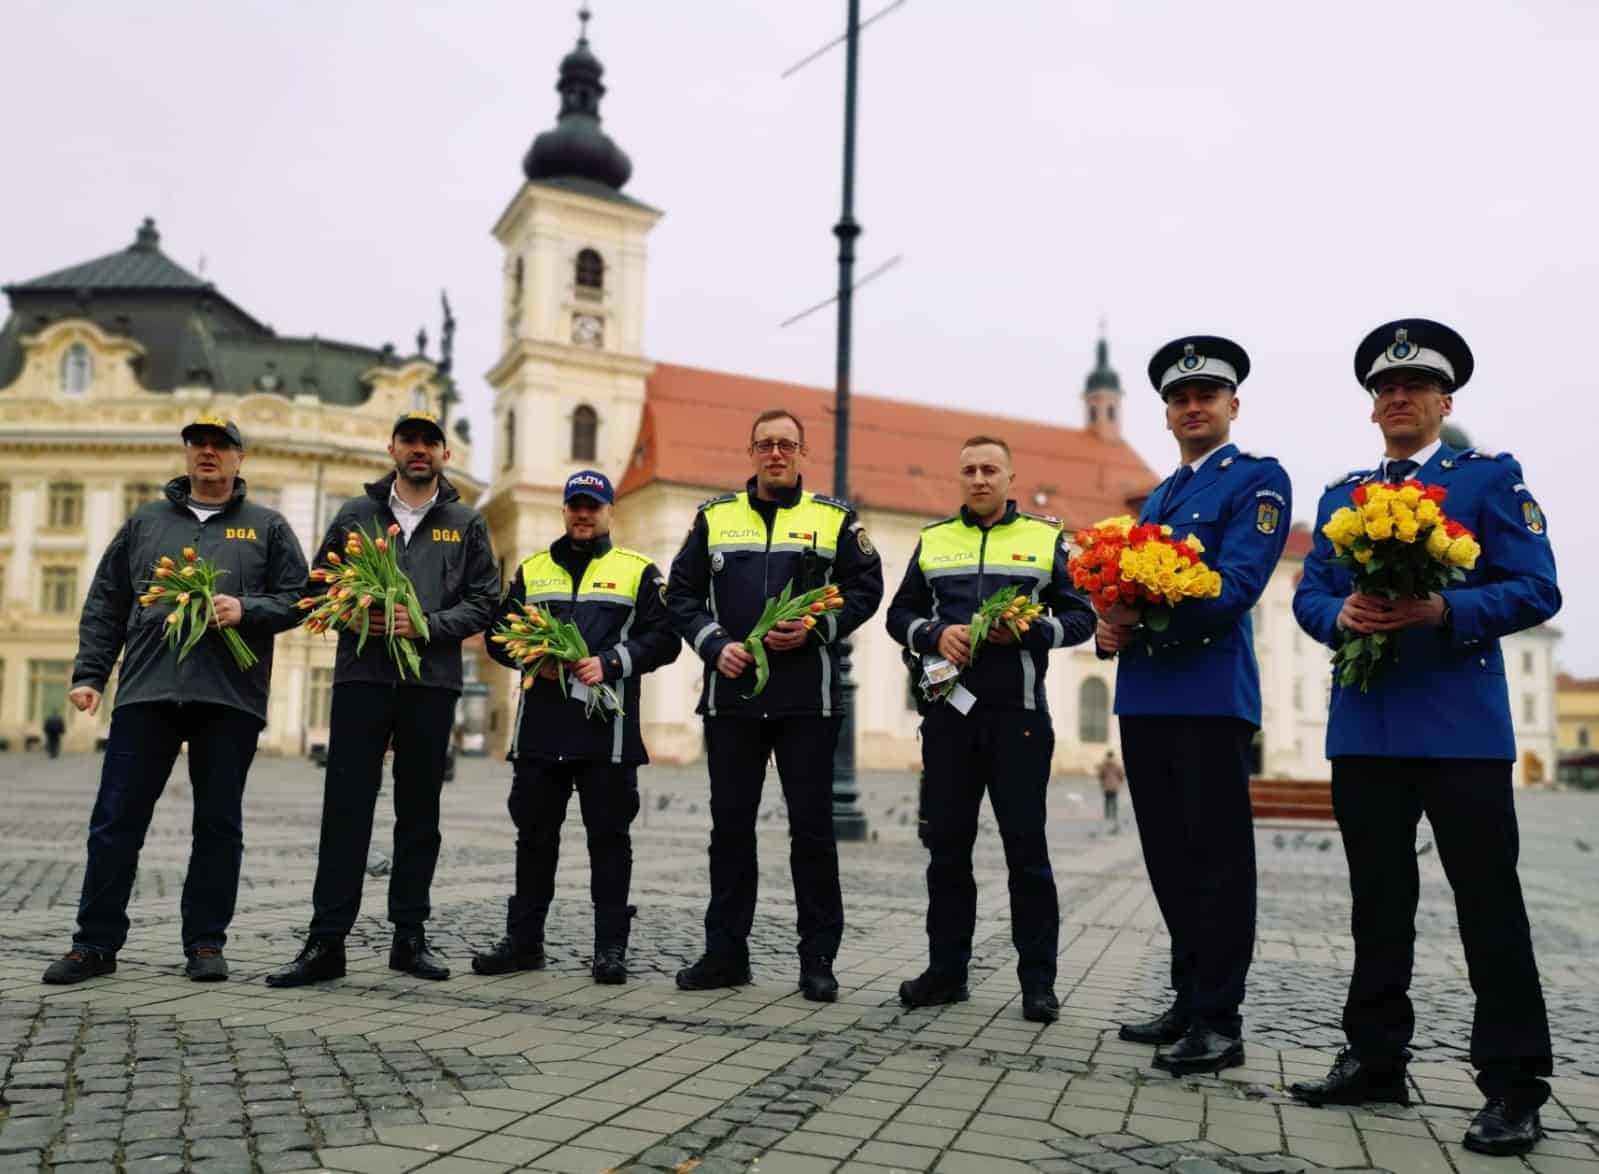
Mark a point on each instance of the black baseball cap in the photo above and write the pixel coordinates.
(198, 428)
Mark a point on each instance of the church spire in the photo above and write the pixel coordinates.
(1102, 393)
(577, 148)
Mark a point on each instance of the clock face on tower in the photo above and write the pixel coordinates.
(587, 330)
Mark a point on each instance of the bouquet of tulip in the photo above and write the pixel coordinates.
(368, 574)
(808, 607)
(1396, 542)
(536, 636)
(188, 588)
(1010, 608)
(1121, 561)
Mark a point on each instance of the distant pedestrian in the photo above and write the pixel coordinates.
(54, 727)
(1111, 778)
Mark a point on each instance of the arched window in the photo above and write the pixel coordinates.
(419, 399)
(77, 369)
(585, 427)
(508, 456)
(1093, 711)
(590, 274)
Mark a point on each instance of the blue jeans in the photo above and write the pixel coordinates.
(139, 754)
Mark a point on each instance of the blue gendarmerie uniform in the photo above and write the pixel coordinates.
(1445, 695)
(1188, 699)
(1433, 734)
(1004, 744)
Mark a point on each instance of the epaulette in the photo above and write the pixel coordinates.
(632, 554)
(1472, 454)
(718, 500)
(1245, 456)
(1347, 478)
(836, 503)
(942, 521)
(1047, 519)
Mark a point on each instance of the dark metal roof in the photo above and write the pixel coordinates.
(142, 265)
(588, 187)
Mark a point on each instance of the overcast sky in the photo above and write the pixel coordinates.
(1287, 174)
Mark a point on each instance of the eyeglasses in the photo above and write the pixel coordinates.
(765, 447)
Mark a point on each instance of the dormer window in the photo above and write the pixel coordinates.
(590, 277)
(77, 369)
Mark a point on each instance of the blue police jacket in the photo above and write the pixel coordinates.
(1239, 506)
(958, 564)
(1444, 696)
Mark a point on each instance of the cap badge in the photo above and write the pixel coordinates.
(428, 416)
(1190, 361)
(210, 421)
(1402, 347)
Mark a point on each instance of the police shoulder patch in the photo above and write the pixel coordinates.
(836, 503)
(1048, 519)
(863, 541)
(718, 500)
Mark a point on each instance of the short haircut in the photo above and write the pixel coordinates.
(777, 414)
(974, 441)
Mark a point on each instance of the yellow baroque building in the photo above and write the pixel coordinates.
(101, 364)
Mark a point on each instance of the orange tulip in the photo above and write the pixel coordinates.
(809, 622)
(174, 617)
(383, 546)
(158, 590)
(188, 554)
(163, 572)
(334, 558)
(364, 601)
(183, 597)
(394, 528)
(305, 604)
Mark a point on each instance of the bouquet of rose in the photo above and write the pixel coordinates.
(536, 636)
(1396, 542)
(1123, 562)
(809, 607)
(188, 588)
(1008, 608)
(368, 574)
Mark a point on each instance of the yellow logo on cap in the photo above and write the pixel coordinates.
(428, 416)
(209, 421)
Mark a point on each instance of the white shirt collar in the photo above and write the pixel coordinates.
(1421, 457)
(1198, 461)
(397, 504)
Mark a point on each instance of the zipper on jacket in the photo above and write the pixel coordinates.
(982, 555)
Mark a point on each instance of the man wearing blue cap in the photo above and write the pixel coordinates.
(1189, 702)
(1450, 757)
(617, 599)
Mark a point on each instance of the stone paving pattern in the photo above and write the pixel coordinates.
(145, 1071)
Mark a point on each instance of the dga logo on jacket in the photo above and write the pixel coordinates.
(240, 532)
(1267, 515)
(1532, 516)
(446, 535)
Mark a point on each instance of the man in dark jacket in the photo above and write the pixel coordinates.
(206, 701)
(617, 599)
(741, 551)
(443, 546)
(993, 732)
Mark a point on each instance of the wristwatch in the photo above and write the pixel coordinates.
(1447, 620)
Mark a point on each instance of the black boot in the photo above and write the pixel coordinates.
(509, 955)
(1166, 1028)
(1201, 1050)
(1504, 1126)
(206, 964)
(933, 988)
(712, 973)
(411, 953)
(610, 964)
(816, 981)
(1040, 1005)
(321, 959)
(1356, 1079)
(79, 964)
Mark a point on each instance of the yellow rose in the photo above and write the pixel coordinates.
(1406, 531)
(1463, 552)
(1379, 528)
(1437, 544)
(1427, 511)
(1410, 495)
(1364, 556)
(1194, 544)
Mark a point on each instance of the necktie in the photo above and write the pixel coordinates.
(1401, 471)
(1180, 482)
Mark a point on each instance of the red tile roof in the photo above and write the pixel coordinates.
(902, 455)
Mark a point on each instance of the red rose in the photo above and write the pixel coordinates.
(1435, 494)
(1359, 495)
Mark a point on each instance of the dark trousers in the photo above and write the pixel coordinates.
(366, 718)
(1110, 805)
(736, 750)
(139, 754)
(1189, 780)
(1007, 754)
(608, 796)
(1378, 802)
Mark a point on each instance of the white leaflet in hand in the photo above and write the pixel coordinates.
(936, 670)
(962, 699)
(578, 691)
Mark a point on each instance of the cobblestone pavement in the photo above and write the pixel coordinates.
(144, 1071)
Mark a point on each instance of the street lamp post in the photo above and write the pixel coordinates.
(849, 821)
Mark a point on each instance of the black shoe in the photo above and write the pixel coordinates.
(411, 953)
(610, 965)
(931, 988)
(712, 973)
(1040, 1006)
(1502, 1127)
(206, 964)
(1166, 1028)
(78, 965)
(1201, 1050)
(816, 980)
(321, 959)
(1354, 1081)
(509, 955)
